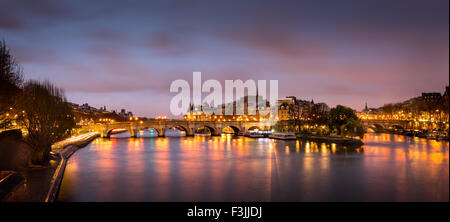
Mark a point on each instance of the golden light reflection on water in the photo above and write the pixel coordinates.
(435, 152)
(229, 168)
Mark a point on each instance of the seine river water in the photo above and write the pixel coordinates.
(228, 168)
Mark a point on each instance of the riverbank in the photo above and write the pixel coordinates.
(425, 134)
(41, 183)
(332, 139)
(9, 181)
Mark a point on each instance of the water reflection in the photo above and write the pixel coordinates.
(230, 168)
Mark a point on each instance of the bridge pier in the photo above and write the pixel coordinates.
(216, 134)
(133, 131)
(104, 133)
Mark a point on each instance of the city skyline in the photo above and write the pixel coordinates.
(258, 106)
(365, 108)
(337, 53)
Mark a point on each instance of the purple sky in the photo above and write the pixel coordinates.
(125, 54)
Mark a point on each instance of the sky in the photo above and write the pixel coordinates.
(125, 54)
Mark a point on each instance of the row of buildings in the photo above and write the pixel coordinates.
(428, 111)
(432, 107)
(86, 114)
(255, 108)
(430, 100)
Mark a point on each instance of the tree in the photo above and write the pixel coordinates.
(10, 82)
(47, 118)
(341, 118)
(319, 115)
(286, 126)
(353, 128)
(295, 113)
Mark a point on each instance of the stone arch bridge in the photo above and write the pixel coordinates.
(190, 127)
(381, 125)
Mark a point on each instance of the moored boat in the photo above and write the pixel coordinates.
(283, 136)
(255, 135)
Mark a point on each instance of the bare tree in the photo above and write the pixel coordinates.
(10, 82)
(47, 117)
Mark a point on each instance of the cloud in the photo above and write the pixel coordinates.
(167, 44)
(333, 51)
(106, 35)
(10, 22)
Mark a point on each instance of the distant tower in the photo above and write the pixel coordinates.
(257, 107)
(191, 108)
(366, 109)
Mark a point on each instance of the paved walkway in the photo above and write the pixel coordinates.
(38, 179)
(36, 184)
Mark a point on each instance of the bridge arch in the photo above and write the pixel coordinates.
(159, 131)
(214, 131)
(187, 130)
(254, 128)
(376, 127)
(396, 126)
(235, 129)
(110, 132)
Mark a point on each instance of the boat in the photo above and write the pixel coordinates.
(433, 135)
(283, 136)
(442, 137)
(408, 133)
(255, 135)
(420, 134)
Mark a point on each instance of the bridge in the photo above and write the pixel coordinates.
(381, 125)
(190, 127)
(216, 127)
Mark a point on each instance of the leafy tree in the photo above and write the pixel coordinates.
(318, 115)
(47, 118)
(286, 126)
(295, 113)
(353, 128)
(10, 82)
(341, 118)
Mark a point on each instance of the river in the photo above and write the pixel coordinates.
(228, 168)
